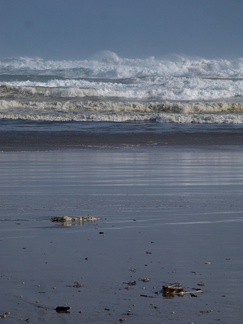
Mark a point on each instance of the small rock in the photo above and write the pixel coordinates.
(77, 284)
(145, 279)
(201, 284)
(63, 309)
(193, 295)
(132, 270)
(131, 283)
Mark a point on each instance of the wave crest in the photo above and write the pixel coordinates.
(167, 112)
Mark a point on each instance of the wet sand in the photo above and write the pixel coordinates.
(170, 214)
(58, 140)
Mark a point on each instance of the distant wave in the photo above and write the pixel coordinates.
(110, 65)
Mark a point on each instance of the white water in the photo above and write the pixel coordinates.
(110, 88)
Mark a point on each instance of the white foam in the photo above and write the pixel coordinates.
(167, 112)
(108, 87)
(166, 118)
(154, 89)
(109, 64)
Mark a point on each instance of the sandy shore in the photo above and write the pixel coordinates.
(169, 214)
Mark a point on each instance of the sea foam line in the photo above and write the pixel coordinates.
(122, 106)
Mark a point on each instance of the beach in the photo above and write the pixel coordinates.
(144, 156)
(121, 162)
(169, 211)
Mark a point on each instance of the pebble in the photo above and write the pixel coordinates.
(145, 279)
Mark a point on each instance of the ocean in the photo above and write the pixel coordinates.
(110, 94)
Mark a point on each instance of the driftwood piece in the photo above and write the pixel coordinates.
(69, 219)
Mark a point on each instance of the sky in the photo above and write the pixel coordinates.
(79, 29)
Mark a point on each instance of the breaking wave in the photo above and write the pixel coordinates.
(110, 88)
(167, 112)
(109, 65)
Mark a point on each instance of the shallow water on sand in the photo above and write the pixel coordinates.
(173, 214)
(121, 183)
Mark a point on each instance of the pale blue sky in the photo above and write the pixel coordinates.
(78, 29)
